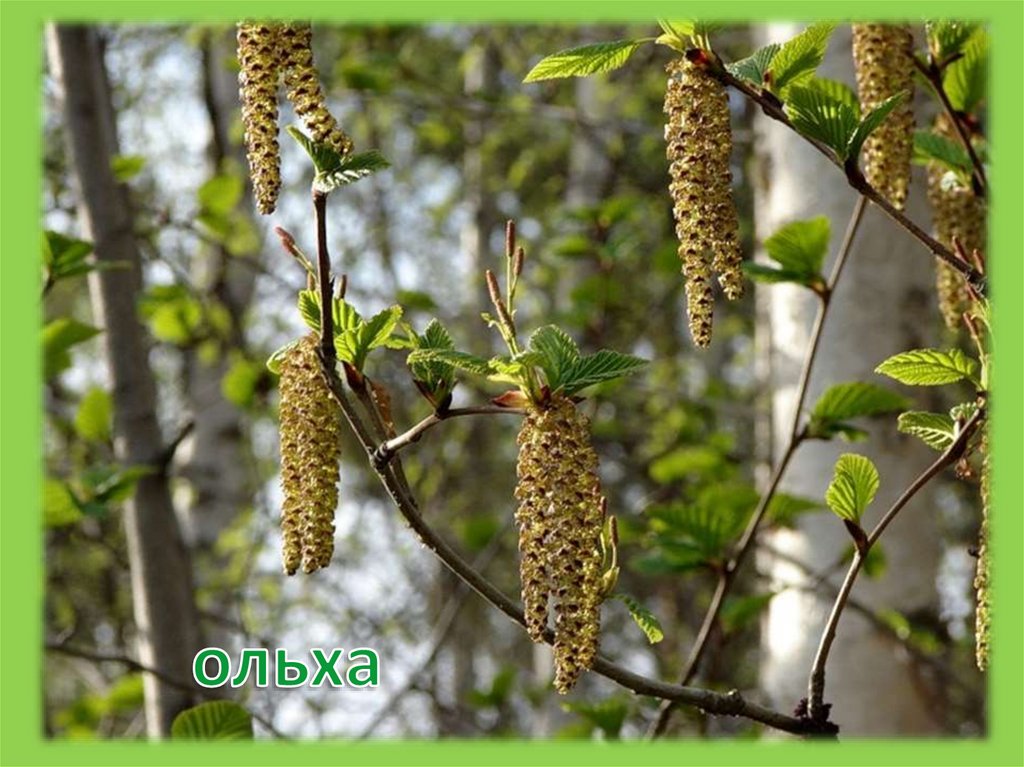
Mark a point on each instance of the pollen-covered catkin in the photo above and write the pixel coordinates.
(884, 58)
(559, 519)
(310, 450)
(981, 578)
(956, 212)
(260, 61)
(698, 139)
(304, 90)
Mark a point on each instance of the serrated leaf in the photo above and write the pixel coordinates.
(558, 354)
(349, 169)
(964, 411)
(94, 415)
(460, 360)
(837, 91)
(584, 60)
(871, 121)
(950, 154)
(817, 113)
(604, 365)
(681, 29)
(753, 67)
(379, 327)
(966, 79)
(797, 59)
(643, 618)
(937, 430)
(783, 508)
(436, 376)
(214, 720)
(853, 487)
(855, 399)
(59, 336)
(513, 371)
(274, 360)
(738, 612)
(930, 367)
(322, 155)
(309, 309)
(946, 37)
(697, 532)
(800, 247)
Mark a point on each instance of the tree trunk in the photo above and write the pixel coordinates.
(165, 614)
(881, 307)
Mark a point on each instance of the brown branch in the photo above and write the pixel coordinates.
(415, 433)
(817, 711)
(323, 278)
(772, 107)
(727, 575)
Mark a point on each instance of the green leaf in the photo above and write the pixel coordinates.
(604, 365)
(947, 37)
(770, 275)
(65, 256)
(322, 155)
(797, 59)
(371, 334)
(966, 79)
(274, 360)
(837, 91)
(240, 381)
(817, 113)
(738, 612)
(783, 509)
(950, 154)
(220, 194)
(59, 507)
(127, 166)
(215, 720)
(118, 484)
(59, 336)
(607, 715)
(853, 486)
(698, 532)
(930, 367)
(855, 399)
(437, 376)
(584, 60)
(350, 169)
(643, 618)
(460, 360)
(754, 66)
(558, 354)
(937, 430)
(94, 415)
(801, 246)
(870, 123)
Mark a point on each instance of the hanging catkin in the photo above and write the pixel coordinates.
(304, 90)
(559, 519)
(260, 61)
(699, 142)
(981, 577)
(956, 212)
(310, 450)
(884, 58)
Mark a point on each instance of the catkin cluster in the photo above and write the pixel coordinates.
(559, 518)
(884, 59)
(260, 60)
(310, 450)
(266, 52)
(956, 212)
(981, 576)
(699, 142)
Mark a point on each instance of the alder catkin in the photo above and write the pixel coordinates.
(260, 62)
(981, 577)
(883, 55)
(698, 139)
(310, 449)
(956, 212)
(559, 518)
(304, 89)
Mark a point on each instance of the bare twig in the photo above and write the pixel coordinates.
(816, 683)
(727, 575)
(414, 434)
(323, 278)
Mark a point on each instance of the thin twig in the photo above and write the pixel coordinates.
(773, 109)
(816, 683)
(323, 278)
(727, 575)
(402, 441)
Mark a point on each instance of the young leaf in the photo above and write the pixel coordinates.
(584, 60)
(94, 415)
(783, 508)
(853, 487)
(930, 367)
(214, 720)
(461, 360)
(59, 507)
(816, 112)
(309, 309)
(797, 59)
(643, 618)
(870, 123)
(800, 247)
(274, 360)
(604, 365)
(558, 354)
(946, 37)
(436, 376)
(966, 79)
(65, 256)
(931, 147)
(855, 399)
(59, 336)
(349, 169)
(937, 430)
(754, 66)
(769, 275)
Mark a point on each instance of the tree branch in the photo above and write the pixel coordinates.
(387, 449)
(796, 436)
(816, 683)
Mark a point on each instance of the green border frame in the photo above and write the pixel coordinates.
(20, 403)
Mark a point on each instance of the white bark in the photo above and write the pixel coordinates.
(882, 306)
(162, 599)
